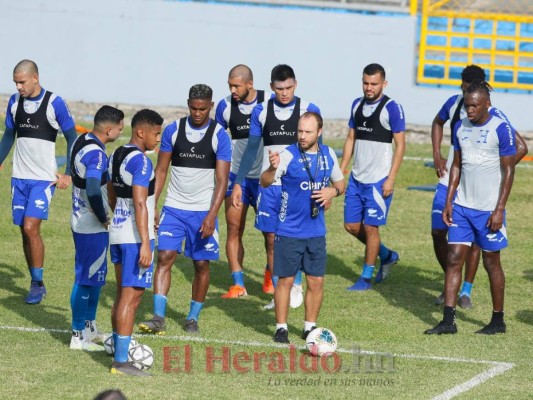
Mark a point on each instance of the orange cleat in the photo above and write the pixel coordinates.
(268, 286)
(234, 292)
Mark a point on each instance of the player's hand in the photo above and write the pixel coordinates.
(145, 256)
(447, 214)
(388, 187)
(440, 166)
(236, 196)
(208, 226)
(495, 221)
(156, 219)
(62, 182)
(324, 196)
(273, 158)
(106, 224)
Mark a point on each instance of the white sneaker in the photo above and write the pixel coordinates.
(92, 332)
(80, 343)
(297, 296)
(270, 306)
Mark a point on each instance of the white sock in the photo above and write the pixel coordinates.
(284, 326)
(309, 325)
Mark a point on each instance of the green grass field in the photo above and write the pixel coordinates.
(386, 323)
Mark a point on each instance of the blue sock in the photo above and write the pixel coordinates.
(467, 289)
(78, 303)
(114, 338)
(122, 345)
(36, 274)
(298, 278)
(368, 271)
(384, 252)
(275, 280)
(160, 305)
(195, 309)
(92, 305)
(238, 278)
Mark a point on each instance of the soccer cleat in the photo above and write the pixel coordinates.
(268, 286)
(235, 292)
(155, 326)
(79, 342)
(297, 297)
(360, 285)
(270, 306)
(492, 328)
(191, 326)
(439, 299)
(36, 294)
(441, 329)
(465, 301)
(127, 368)
(386, 265)
(281, 336)
(306, 333)
(92, 332)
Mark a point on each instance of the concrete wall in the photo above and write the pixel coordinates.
(151, 51)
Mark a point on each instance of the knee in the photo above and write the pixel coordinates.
(352, 229)
(165, 259)
(30, 229)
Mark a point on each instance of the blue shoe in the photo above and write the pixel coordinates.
(386, 265)
(360, 285)
(37, 293)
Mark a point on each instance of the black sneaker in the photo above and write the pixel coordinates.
(492, 328)
(465, 301)
(281, 336)
(442, 329)
(127, 368)
(155, 326)
(306, 333)
(191, 326)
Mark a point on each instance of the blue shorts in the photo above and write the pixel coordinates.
(439, 201)
(127, 254)
(293, 254)
(30, 198)
(471, 226)
(364, 202)
(250, 189)
(177, 225)
(90, 260)
(268, 205)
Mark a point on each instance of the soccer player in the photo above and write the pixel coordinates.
(276, 123)
(198, 151)
(89, 222)
(300, 241)
(34, 117)
(483, 170)
(453, 110)
(131, 190)
(233, 114)
(375, 122)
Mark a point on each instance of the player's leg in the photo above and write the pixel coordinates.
(200, 286)
(314, 265)
(31, 231)
(472, 262)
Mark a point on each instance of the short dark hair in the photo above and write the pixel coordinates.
(317, 116)
(26, 65)
(111, 394)
(479, 86)
(200, 91)
(473, 72)
(243, 71)
(281, 72)
(146, 116)
(108, 114)
(374, 68)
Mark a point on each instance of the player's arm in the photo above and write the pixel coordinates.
(399, 152)
(338, 185)
(269, 175)
(94, 195)
(111, 196)
(347, 150)
(455, 176)
(140, 195)
(221, 186)
(521, 148)
(437, 133)
(6, 143)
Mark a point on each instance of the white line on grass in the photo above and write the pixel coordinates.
(497, 367)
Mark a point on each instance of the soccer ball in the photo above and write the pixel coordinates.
(109, 344)
(321, 342)
(142, 356)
